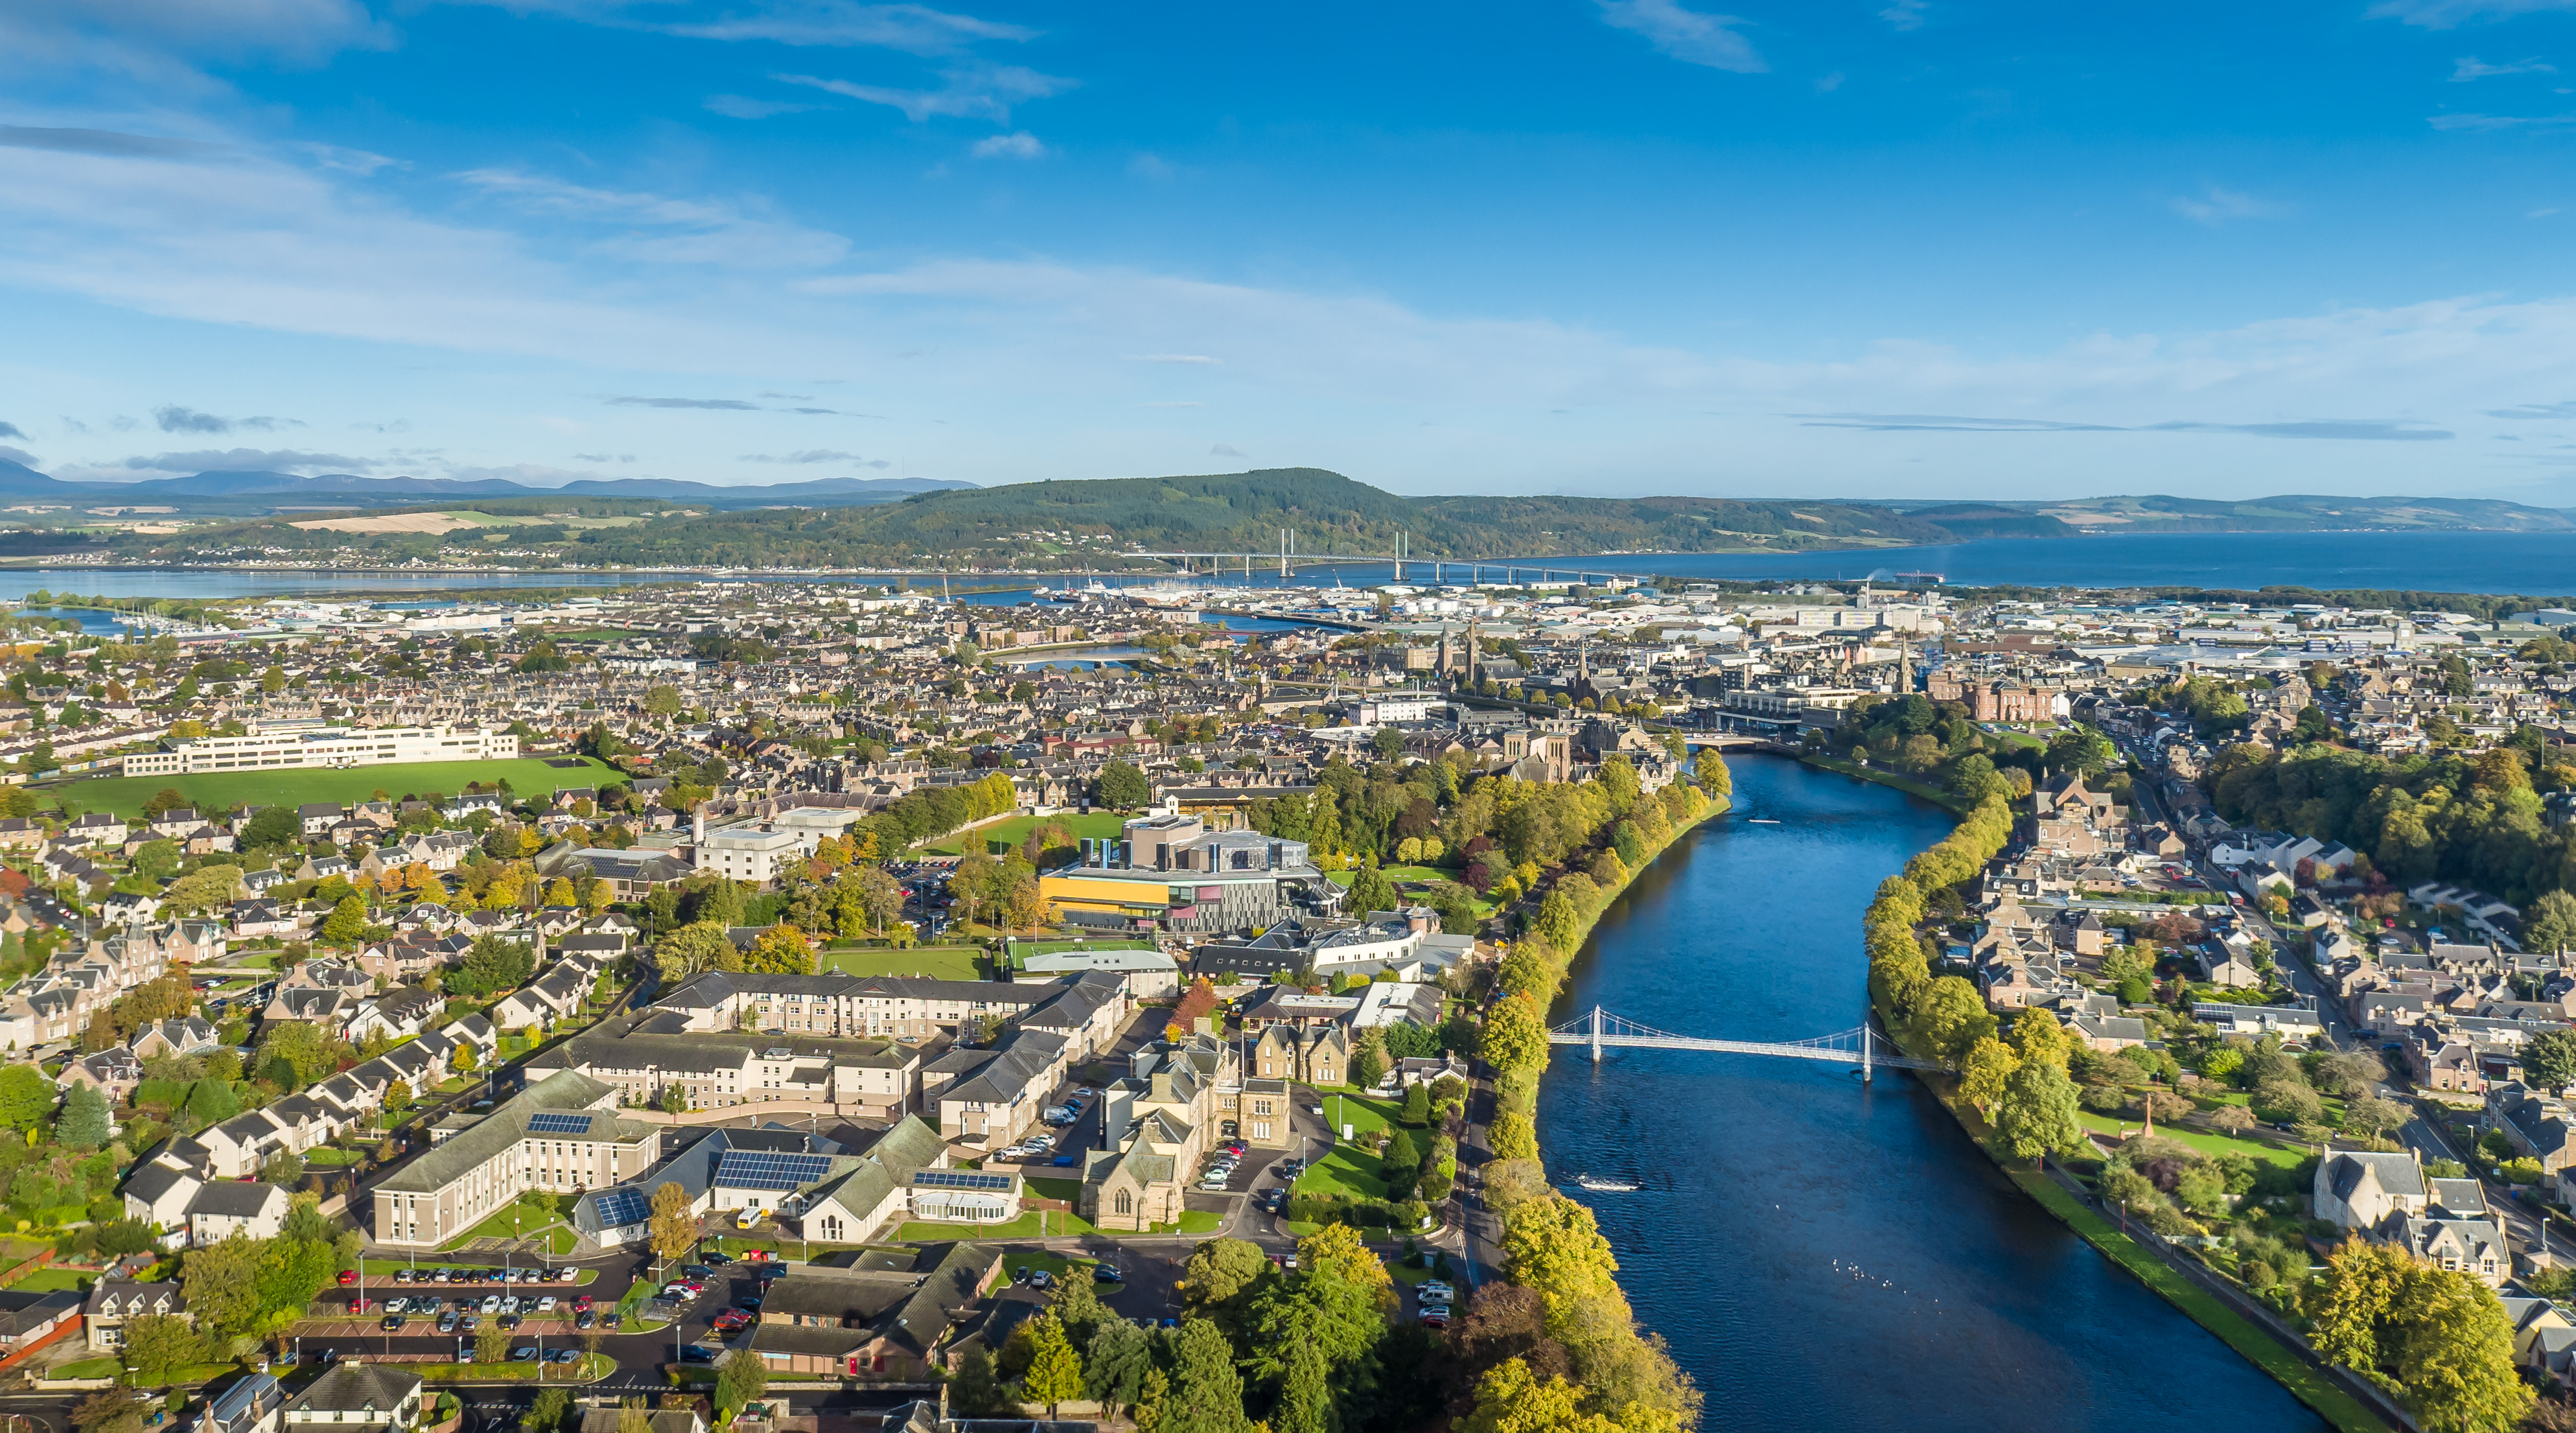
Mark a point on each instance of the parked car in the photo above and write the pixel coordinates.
(1434, 1291)
(581, 1304)
(563, 1355)
(447, 1323)
(393, 1323)
(586, 1319)
(717, 1257)
(491, 1303)
(546, 1305)
(508, 1321)
(697, 1353)
(697, 1271)
(525, 1353)
(567, 1275)
(1106, 1274)
(348, 1277)
(469, 1323)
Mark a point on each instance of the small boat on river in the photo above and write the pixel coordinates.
(1598, 1185)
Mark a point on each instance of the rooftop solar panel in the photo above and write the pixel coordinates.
(559, 1124)
(960, 1179)
(759, 1169)
(621, 1207)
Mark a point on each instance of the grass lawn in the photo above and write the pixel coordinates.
(1907, 784)
(1346, 1169)
(1058, 1223)
(327, 1157)
(55, 1281)
(1068, 1190)
(2211, 1144)
(91, 1368)
(516, 1220)
(943, 962)
(1035, 1259)
(2257, 1344)
(1098, 824)
(223, 790)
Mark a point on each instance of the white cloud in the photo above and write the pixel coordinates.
(350, 161)
(986, 93)
(2449, 14)
(1150, 166)
(1017, 145)
(1691, 36)
(2216, 206)
(1905, 14)
(744, 107)
(1227, 450)
(686, 231)
(917, 29)
(2475, 123)
(2469, 67)
(1172, 358)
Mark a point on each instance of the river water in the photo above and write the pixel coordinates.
(1823, 1256)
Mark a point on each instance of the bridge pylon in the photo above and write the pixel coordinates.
(1596, 1034)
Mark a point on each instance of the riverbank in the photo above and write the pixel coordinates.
(1896, 964)
(1906, 784)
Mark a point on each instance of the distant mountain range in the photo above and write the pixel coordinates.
(19, 481)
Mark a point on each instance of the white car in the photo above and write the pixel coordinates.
(1434, 1291)
(546, 1305)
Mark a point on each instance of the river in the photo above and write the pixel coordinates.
(1823, 1256)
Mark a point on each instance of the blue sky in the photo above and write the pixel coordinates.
(1887, 248)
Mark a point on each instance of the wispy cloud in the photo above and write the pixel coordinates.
(1150, 166)
(1905, 14)
(681, 231)
(985, 93)
(1691, 36)
(248, 460)
(108, 143)
(2215, 206)
(2389, 430)
(744, 107)
(177, 419)
(2535, 410)
(12, 430)
(2469, 67)
(2449, 14)
(807, 455)
(1172, 358)
(1227, 450)
(1018, 145)
(915, 29)
(351, 161)
(728, 404)
(2475, 122)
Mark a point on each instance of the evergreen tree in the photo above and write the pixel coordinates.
(83, 1123)
(1206, 1394)
(1115, 1365)
(1055, 1370)
(1305, 1395)
(1077, 1307)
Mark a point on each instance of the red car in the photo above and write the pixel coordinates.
(582, 1304)
(348, 1276)
(731, 1319)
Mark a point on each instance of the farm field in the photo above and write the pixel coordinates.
(223, 790)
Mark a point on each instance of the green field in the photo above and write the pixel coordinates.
(223, 790)
(55, 1281)
(1098, 825)
(943, 962)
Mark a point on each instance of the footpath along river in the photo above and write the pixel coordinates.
(1822, 1256)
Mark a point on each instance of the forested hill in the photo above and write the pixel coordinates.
(1243, 512)
(1087, 524)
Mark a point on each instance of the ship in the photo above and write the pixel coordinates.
(1598, 1185)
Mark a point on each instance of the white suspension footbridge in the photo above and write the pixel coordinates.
(1861, 1045)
